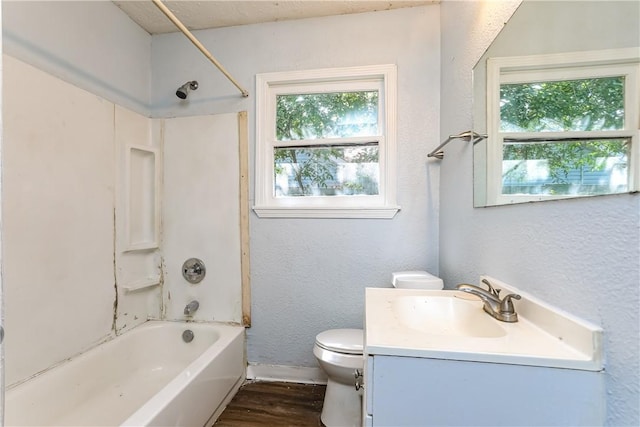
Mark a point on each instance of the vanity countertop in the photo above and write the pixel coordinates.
(543, 336)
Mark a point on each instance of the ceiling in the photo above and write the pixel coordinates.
(198, 15)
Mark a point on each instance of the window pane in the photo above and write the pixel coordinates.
(566, 168)
(326, 171)
(568, 105)
(326, 115)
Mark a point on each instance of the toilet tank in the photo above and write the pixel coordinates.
(416, 280)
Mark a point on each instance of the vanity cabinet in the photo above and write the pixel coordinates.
(436, 358)
(413, 391)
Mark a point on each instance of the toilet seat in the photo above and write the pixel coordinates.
(346, 341)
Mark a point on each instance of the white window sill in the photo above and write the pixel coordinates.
(382, 212)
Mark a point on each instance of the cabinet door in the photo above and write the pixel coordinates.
(430, 392)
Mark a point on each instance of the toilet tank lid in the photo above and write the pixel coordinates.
(348, 341)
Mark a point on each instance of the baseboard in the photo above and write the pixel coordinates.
(291, 374)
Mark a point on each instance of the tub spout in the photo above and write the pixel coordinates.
(191, 308)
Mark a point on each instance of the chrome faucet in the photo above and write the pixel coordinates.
(502, 310)
(191, 308)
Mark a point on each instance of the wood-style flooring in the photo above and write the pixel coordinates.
(273, 404)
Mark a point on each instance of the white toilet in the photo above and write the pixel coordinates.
(340, 354)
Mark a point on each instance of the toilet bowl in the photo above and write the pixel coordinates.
(339, 354)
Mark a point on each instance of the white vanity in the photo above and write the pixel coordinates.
(435, 358)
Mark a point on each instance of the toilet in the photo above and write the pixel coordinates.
(340, 356)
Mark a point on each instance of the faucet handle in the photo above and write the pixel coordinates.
(492, 290)
(506, 305)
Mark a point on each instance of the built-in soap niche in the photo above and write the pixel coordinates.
(142, 218)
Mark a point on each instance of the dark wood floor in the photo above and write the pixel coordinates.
(274, 404)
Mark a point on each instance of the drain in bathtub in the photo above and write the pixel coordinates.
(187, 336)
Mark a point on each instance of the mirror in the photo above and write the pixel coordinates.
(556, 29)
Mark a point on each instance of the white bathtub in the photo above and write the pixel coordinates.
(146, 377)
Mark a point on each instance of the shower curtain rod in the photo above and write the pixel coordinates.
(197, 44)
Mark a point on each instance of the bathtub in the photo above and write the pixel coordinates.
(147, 376)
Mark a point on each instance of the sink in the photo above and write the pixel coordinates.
(452, 325)
(451, 315)
(429, 345)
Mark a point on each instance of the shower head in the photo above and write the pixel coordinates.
(183, 90)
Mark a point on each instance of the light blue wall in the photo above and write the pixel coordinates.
(580, 255)
(91, 44)
(309, 275)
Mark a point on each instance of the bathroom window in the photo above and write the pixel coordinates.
(562, 126)
(325, 143)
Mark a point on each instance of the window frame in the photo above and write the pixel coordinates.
(269, 85)
(554, 67)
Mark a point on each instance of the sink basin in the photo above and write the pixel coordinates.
(446, 315)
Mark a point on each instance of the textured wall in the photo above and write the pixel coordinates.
(309, 275)
(580, 255)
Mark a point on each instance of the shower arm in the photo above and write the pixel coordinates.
(197, 44)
